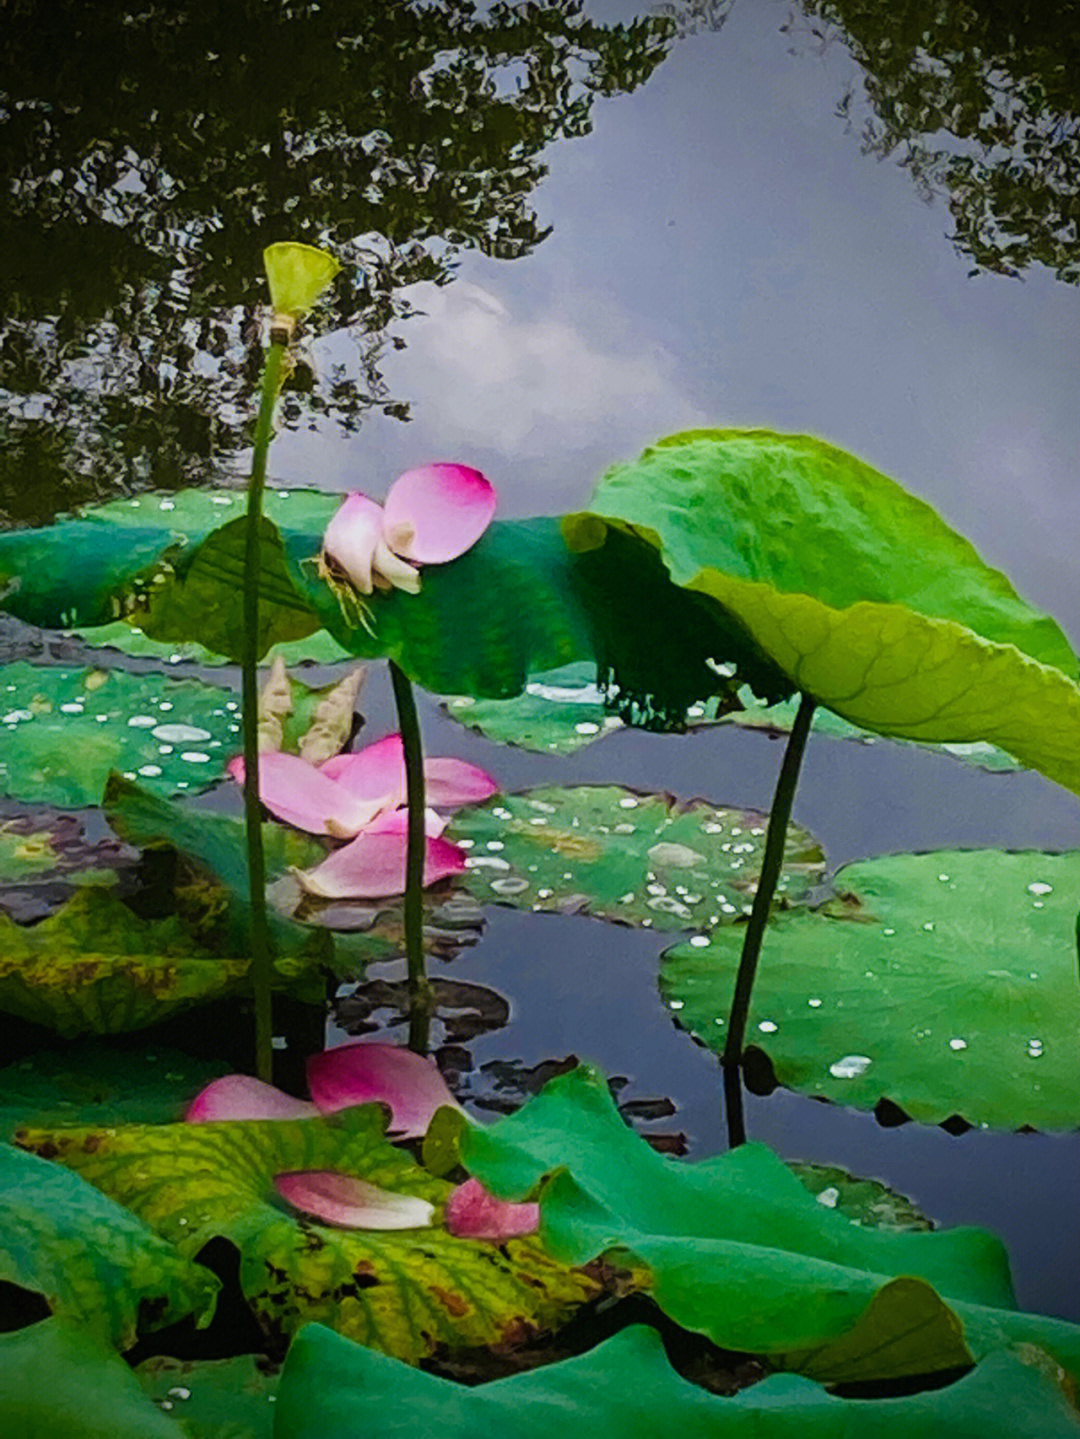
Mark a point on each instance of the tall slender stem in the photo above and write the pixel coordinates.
(771, 864)
(261, 964)
(419, 988)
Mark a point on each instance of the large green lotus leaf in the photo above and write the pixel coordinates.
(641, 859)
(59, 1382)
(94, 1261)
(89, 1083)
(741, 1251)
(406, 1292)
(212, 1398)
(943, 982)
(95, 967)
(130, 639)
(857, 591)
(626, 1389)
(68, 728)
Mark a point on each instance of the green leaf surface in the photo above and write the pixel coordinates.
(640, 859)
(406, 1291)
(944, 982)
(864, 1201)
(58, 1382)
(94, 1261)
(212, 1398)
(625, 1389)
(95, 967)
(66, 729)
(857, 591)
(740, 1251)
(131, 639)
(91, 1084)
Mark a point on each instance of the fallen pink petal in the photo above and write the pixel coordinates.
(372, 866)
(303, 795)
(351, 539)
(473, 1213)
(239, 1096)
(379, 769)
(408, 1083)
(350, 1203)
(436, 513)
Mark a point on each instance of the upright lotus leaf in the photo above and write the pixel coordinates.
(66, 729)
(212, 1398)
(626, 1389)
(406, 1292)
(93, 1261)
(739, 1249)
(857, 591)
(90, 1083)
(57, 1381)
(95, 967)
(640, 859)
(944, 982)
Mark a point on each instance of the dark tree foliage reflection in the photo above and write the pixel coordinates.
(150, 152)
(981, 101)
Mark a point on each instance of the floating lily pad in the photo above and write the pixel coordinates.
(65, 729)
(739, 1250)
(406, 1292)
(95, 967)
(640, 859)
(857, 591)
(130, 639)
(213, 1398)
(626, 1389)
(863, 1201)
(59, 1382)
(945, 983)
(94, 1261)
(89, 1083)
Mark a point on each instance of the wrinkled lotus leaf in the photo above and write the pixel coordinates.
(943, 982)
(176, 572)
(43, 844)
(740, 1251)
(213, 1398)
(66, 729)
(130, 639)
(626, 1389)
(641, 859)
(406, 1292)
(95, 967)
(857, 591)
(89, 1083)
(58, 1382)
(863, 1201)
(93, 1261)
(563, 711)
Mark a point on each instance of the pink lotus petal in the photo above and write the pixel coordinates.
(449, 783)
(473, 1213)
(303, 795)
(436, 513)
(410, 1085)
(351, 1203)
(379, 770)
(372, 866)
(396, 821)
(238, 1096)
(351, 538)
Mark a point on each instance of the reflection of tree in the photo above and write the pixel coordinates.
(980, 100)
(149, 152)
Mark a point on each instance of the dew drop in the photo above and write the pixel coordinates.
(587, 727)
(929, 925)
(1039, 888)
(194, 756)
(814, 1003)
(150, 771)
(142, 721)
(179, 733)
(829, 1197)
(508, 886)
(850, 1066)
(768, 1026)
(72, 709)
(958, 1044)
(1035, 1048)
(700, 941)
(495, 844)
(676, 1003)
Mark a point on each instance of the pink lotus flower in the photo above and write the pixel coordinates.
(412, 1089)
(431, 515)
(357, 797)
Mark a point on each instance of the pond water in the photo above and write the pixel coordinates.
(722, 251)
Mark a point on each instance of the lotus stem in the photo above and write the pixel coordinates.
(419, 988)
(771, 864)
(261, 961)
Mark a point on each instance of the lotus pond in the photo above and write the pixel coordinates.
(570, 903)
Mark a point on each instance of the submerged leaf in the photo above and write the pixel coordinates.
(857, 591)
(944, 983)
(639, 859)
(626, 1389)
